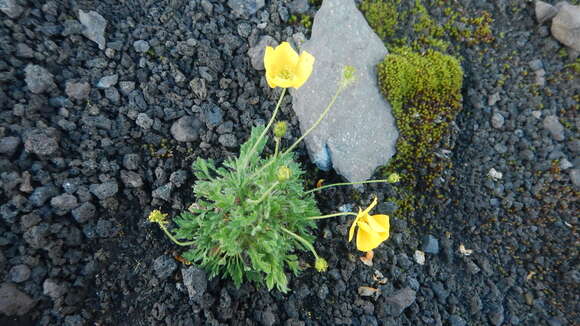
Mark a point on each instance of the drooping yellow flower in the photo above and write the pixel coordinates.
(372, 229)
(285, 68)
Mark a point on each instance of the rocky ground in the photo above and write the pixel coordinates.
(105, 104)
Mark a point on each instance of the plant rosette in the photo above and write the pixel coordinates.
(252, 213)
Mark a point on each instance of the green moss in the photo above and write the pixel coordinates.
(424, 90)
(382, 15)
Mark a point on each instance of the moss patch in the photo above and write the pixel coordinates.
(424, 90)
(382, 16)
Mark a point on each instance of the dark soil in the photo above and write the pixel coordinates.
(81, 166)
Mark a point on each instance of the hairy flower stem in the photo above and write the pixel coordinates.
(251, 153)
(277, 148)
(302, 240)
(177, 242)
(265, 194)
(341, 88)
(330, 215)
(345, 184)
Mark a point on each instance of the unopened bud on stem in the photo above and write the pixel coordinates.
(284, 174)
(280, 129)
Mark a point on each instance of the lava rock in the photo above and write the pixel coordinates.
(256, 53)
(14, 302)
(40, 143)
(144, 121)
(497, 120)
(38, 79)
(345, 135)
(198, 87)
(104, 190)
(95, 26)
(212, 115)
(228, 140)
(108, 81)
(245, 8)
(42, 194)
(131, 179)
(186, 129)
(455, 320)
(575, 177)
(141, 46)
(84, 212)
(566, 25)
(395, 304)
(64, 203)
(164, 266)
(178, 178)
(53, 288)
(163, 192)
(553, 125)
(11, 8)
(195, 280)
(298, 6)
(545, 11)
(8, 145)
(496, 314)
(78, 90)
(430, 244)
(19, 273)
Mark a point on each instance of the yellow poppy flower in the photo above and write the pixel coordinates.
(372, 229)
(285, 68)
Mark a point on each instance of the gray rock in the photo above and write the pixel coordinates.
(207, 7)
(37, 79)
(575, 177)
(108, 81)
(84, 212)
(95, 26)
(455, 320)
(195, 280)
(186, 129)
(14, 302)
(497, 120)
(430, 244)
(496, 314)
(245, 8)
(24, 51)
(42, 194)
(104, 190)
(164, 266)
(131, 161)
(178, 178)
(566, 25)
(40, 143)
(354, 142)
(256, 53)
(53, 288)
(225, 128)
(545, 11)
(144, 121)
(74, 320)
(131, 179)
(106, 228)
(298, 6)
(163, 192)
(212, 115)
(228, 140)
(141, 46)
(494, 98)
(536, 64)
(11, 8)
(198, 87)
(126, 87)
(37, 235)
(573, 145)
(8, 145)
(395, 304)
(77, 90)
(565, 164)
(64, 203)
(553, 125)
(19, 273)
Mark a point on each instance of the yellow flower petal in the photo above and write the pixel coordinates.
(303, 69)
(286, 55)
(376, 224)
(371, 206)
(351, 231)
(366, 241)
(269, 58)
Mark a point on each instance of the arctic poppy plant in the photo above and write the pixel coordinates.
(372, 229)
(285, 68)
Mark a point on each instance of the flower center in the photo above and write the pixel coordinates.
(285, 73)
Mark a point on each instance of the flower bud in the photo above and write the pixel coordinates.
(280, 129)
(157, 217)
(348, 75)
(393, 178)
(320, 264)
(284, 173)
